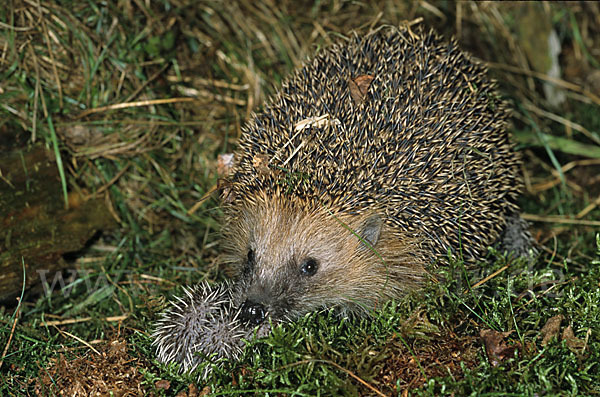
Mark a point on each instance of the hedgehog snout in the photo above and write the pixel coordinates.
(259, 296)
(252, 313)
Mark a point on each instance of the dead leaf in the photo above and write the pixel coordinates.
(192, 390)
(206, 391)
(224, 164)
(495, 346)
(551, 329)
(321, 121)
(162, 384)
(574, 344)
(261, 163)
(82, 135)
(359, 87)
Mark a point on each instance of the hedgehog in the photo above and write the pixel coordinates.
(373, 161)
(383, 156)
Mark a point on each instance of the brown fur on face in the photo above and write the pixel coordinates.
(353, 274)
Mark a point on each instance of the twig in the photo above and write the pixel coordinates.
(15, 28)
(145, 84)
(79, 340)
(373, 389)
(562, 120)
(559, 219)
(113, 180)
(53, 62)
(154, 278)
(205, 197)
(15, 315)
(152, 102)
(565, 168)
(81, 320)
(485, 280)
(579, 163)
(12, 331)
(208, 82)
(589, 208)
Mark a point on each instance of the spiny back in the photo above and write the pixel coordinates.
(426, 145)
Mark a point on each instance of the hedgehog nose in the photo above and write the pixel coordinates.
(252, 313)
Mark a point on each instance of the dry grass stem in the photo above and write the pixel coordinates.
(559, 219)
(81, 320)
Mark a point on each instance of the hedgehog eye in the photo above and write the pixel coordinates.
(250, 262)
(309, 267)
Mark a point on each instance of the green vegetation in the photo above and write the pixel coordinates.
(138, 101)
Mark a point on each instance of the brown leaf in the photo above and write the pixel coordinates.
(162, 384)
(495, 346)
(82, 135)
(551, 328)
(224, 164)
(261, 163)
(322, 121)
(359, 87)
(193, 390)
(574, 344)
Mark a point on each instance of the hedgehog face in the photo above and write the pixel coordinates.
(278, 284)
(293, 261)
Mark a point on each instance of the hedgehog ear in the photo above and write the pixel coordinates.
(370, 230)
